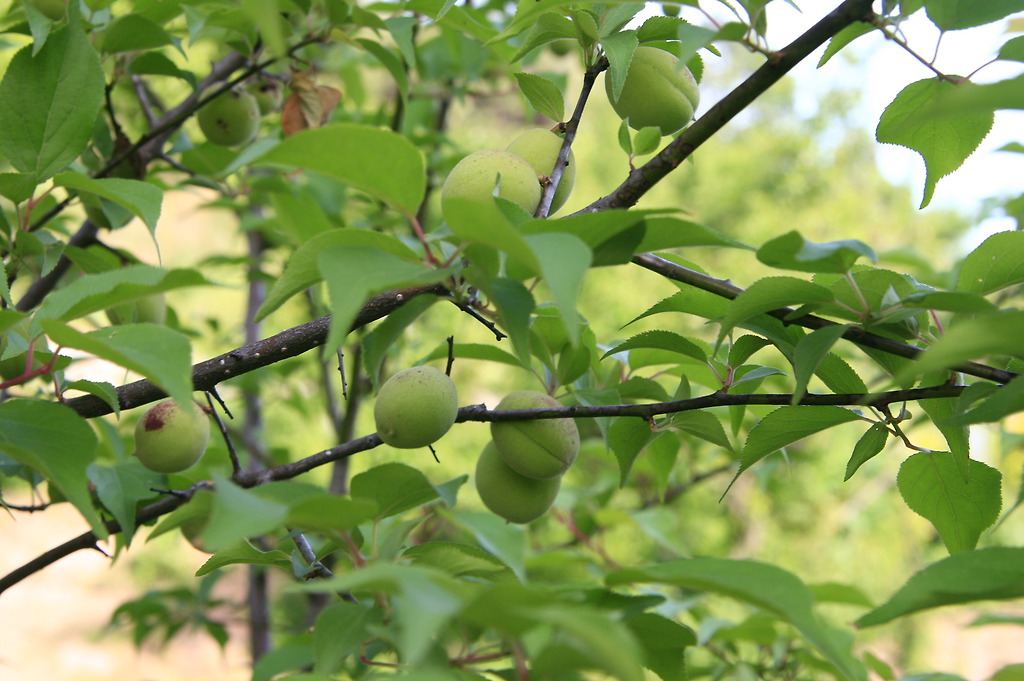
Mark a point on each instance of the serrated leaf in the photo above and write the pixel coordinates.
(460, 560)
(563, 259)
(133, 32)
(771, 293)
(944, 143)
(239, 514)
(303, 267)
(341, 628)
(627, 437)
(662, 340)
(481, 222)
(158, 353)
(809, 353)
(543, 94)
(960, 510)
(704, 425)
(379, 162)
(957, 436)
(1004, 400)
(792, 251)
(549, 27)
(49, 102)
(996, 263)
(786, 425)
(993, 573)
(664, 643)
(244, 553)
(53, 440)
(394, 487)
(619, 48)
(330, 513)
(970, 339)
(120, 487)
(844, 38)
(661, 232)
(141, 198)
(761, 585)
(954, 15)
(868, 446)
(355, 273)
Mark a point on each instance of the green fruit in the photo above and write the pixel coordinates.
(516, 498)
(659, 92)
(415, 407)
(199, 510)
(170, 437)
(537, 448)
(53, 9)
(148, 309)
(230, 119)
(670, 9)
(562, 47)
(268, 93)
(476, 176)
(539, 148)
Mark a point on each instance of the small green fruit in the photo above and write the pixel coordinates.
(268, 93)
(539, 148)
(659, 92)
(170, 437)
(415, 407)
(199, 510)
(149, 309)
(476, 176)
(670, 9)
(514, 497)
(230, 119)
(537, 448)
(562, 47)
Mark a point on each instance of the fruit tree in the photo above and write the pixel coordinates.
(519, 340)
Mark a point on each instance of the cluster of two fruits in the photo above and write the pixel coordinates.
(518, 473)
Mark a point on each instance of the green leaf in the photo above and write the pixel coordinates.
(664, 643)
(49, 103)
(792, 251)
(810, 351)
(239, 514)
(662, 340)
(786, 425)
(627, 436)
(971, 339)
(1004, 400)
(481, 222)
(330, 513)
(661, 232)
(844, 38)
(1012, 49)
(987, 574)
(543, 94)
(120, 488)
(379, 162)
(953, 15)
(646, 141)
(133, 32)
(394, 487)
(761, 585)
(960, 510)
(460, 560)
(54, 441)
(101, 290)
(549, 27)
(244, 553)
(355, 273)
(772, 293)
(704, 425)
(868, 446)
(378, 342)
(341, 628)
(563, 260)
(944, 143)
(957, 436)
(996, 263)
(619, 49)
(303, 267)
(158, 353)
(141, 198)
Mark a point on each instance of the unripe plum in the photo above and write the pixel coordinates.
(537, 448)
(539, 148)
(475, 177)
(415, 407)
(268, 93)
(514, 497)
(148, 309)
(170, 437)
(659, 92)
(230, 119)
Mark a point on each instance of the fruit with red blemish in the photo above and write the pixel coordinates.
(170, 437)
